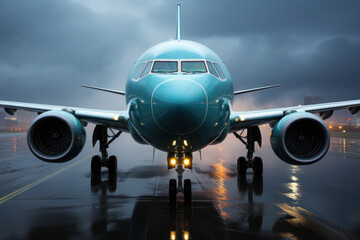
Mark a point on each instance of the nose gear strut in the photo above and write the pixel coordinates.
(179, 187)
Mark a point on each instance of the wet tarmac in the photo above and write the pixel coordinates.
(39, 200)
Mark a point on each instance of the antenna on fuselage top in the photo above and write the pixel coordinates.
(178, 28)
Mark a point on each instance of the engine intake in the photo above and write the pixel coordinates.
(56, 136)
(300, 138)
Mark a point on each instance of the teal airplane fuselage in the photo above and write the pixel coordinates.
(179, 95)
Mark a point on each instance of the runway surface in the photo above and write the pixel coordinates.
(39, 200)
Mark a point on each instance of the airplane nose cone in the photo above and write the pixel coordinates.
(179, 106)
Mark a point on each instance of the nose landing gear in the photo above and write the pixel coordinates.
(180, 162)
(253, 135)
(100, 134)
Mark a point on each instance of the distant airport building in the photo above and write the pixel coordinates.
(354, 121)
(20, 121)
(313, 100)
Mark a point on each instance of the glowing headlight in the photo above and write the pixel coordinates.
(173, 161)
(172, 235)
(186, 235)
(186, 161)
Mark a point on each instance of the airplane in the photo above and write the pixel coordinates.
(179, 97)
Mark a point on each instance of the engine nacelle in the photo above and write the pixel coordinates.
(56, 136)
(300, 138)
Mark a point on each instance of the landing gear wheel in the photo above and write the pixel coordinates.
(257, 166)
(96, 165)
(241, 166)
(172, 191)
(112, 165)
(187, 191)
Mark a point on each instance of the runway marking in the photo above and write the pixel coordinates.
(41, 180)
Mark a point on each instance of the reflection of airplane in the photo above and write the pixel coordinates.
(179, 96)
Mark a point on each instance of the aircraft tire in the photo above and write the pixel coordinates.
(95, 165)
(258, 166)
(112, 165)
(172, 191)
(187, 191)
(241, 166)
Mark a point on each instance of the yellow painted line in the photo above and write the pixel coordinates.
(31, 185)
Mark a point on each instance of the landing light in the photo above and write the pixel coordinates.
(242, 118)
(172, 235)
(173, 161)
(186, 162)
(186, 235)
(174, 143)
(185, 143)
(116, 117)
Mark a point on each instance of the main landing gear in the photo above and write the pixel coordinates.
(101, 134)
(180, 162)
(253, 135)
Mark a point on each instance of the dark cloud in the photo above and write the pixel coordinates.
(49, 48)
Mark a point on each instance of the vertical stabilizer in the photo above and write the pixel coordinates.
(178, 28)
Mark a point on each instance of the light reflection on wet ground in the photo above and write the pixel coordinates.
(319, 201)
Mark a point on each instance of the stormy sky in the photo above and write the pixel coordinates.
(49, 48)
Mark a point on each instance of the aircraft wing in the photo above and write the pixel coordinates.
(244, 119)
(113, 119)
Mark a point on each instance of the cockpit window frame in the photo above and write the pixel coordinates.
(206, 62)
(221, 74)
(165, 60)
(213, 68)
(193, 60)
(143, 74)
(139, 71)
(216, 70)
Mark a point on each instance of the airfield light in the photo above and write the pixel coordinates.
(344, 131)
(186, 235)
(185, 143)
(174, 143)
(215, 124)
(173, 161)
(330, 127)
(340, 127)
(172, 235)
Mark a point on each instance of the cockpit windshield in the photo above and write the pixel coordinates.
(193, 66)
(165, 67)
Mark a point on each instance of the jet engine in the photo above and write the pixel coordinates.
(300, 138)
(56, 136)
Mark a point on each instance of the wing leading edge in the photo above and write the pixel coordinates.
(113, 119)
(244, 119)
